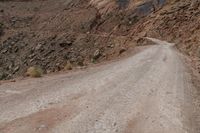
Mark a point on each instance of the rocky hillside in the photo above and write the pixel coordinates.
(51, 34)
(178, 22)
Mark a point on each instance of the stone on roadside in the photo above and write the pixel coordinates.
(96, 54)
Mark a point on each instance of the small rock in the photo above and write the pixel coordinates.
(48, 71)
(9, 76)
(16, 69)
(57, 64)
(31, 60)
(111, 46)
(38, 47)
(41, 127)
(13, 42)
(42, 59)
(31, 56)
(73, 59)
(122, 50)
(140, 41)
(10, 66)
(53, 37)
(80, 61)
(96, 54)
(64, 44)
(4, 51)
(16, 49)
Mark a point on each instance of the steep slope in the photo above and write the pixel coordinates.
(178, 22)
(52, 33)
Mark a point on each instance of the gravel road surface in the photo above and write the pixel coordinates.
(150, 92)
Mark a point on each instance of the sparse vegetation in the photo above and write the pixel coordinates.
(68, 66)
(34, 72)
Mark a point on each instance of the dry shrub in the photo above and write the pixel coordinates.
(68, 66)
(34, 72)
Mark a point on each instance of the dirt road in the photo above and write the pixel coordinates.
(150, 92)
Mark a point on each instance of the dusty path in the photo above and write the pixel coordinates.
(150, 92)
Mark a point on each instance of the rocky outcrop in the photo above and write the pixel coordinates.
(179, 22)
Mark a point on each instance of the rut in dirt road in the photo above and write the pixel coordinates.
(150, 92)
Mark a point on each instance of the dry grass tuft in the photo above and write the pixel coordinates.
(68, 66)
(34, 72)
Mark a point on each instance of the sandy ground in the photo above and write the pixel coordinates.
(150, 92)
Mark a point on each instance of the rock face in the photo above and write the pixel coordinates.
(179, 22)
